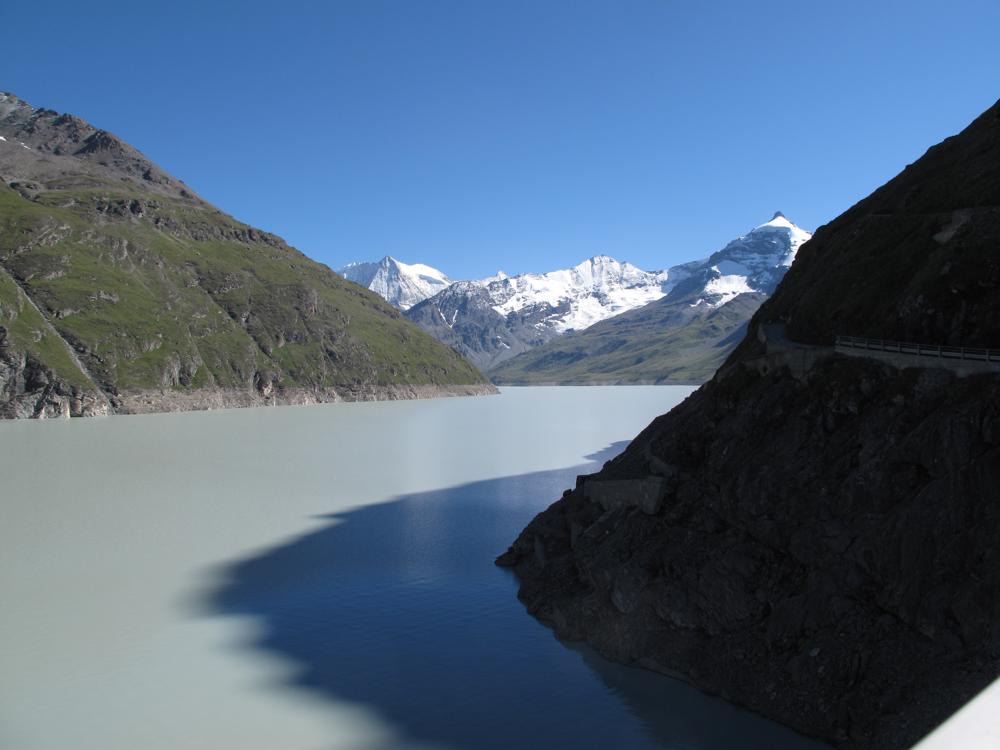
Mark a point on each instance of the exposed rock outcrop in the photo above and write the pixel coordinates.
(205, 399)
(29, 389)
(821, 551)
(824, 548)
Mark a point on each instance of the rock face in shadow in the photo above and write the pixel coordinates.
(823, 546)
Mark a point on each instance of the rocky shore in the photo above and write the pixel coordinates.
(813, 535)
(817, 550)
(150, 401)
(60, 401)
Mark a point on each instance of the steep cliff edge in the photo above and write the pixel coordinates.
(821, 546)
(122, 290)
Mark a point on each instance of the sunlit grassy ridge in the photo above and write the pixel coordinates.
(153, 291)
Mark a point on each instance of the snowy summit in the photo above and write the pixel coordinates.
(593, 290)
(494, 319)
(401, 284)
(754, 262)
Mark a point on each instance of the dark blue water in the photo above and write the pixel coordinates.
(398, 608)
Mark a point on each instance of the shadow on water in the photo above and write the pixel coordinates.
(398, 607)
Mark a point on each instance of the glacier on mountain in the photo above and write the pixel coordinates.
(596, 289)
(401, 284)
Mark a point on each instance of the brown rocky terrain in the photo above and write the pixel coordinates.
(817, 545)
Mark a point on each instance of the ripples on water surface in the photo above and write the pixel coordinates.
(315, 577)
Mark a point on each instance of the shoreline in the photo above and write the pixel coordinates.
(574, 383)
(164, 401)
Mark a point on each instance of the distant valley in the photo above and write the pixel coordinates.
(602, 321)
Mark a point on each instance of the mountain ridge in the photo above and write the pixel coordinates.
(121, 290)
(493, 319)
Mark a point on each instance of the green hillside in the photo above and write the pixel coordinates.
(667, 341)
(105, 256)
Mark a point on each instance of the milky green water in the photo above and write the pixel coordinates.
(313, 577)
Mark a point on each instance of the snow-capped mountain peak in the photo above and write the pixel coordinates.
(402, 284)
(593, 290)
(493, 319)
(796, 235)
(754, 262)
(498, 317)
(498, 276)
(604, 271)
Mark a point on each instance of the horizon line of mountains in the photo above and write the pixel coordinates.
(123, 291)
(601, 321)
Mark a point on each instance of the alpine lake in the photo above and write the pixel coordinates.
(316, 577)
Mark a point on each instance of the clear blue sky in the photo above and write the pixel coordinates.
(477, 135)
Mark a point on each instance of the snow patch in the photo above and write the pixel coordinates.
(725, 288)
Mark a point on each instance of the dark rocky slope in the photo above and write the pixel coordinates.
(819, 547)
(121, 290)
(462, 316)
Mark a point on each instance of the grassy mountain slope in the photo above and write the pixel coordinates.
(666, 341)
(153, 288)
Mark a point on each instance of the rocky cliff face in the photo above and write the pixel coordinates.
(118, 283)
(464, 317)
(817, 545)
